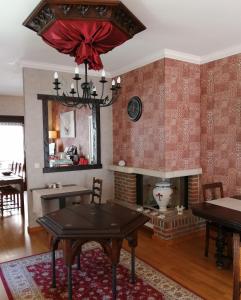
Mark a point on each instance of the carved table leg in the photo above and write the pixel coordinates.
(115, 258)
(54, 245)
(114, 281)
(220, 242)
(132, 241)
(133, 279)
(71, 248)
(78, 261)
(70, 282)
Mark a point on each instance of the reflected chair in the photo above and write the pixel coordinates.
(96, 190)
(211, 191)
(236, 266)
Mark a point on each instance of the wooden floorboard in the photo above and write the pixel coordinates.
(182, 260)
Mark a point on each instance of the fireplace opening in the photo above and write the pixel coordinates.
(145, 185)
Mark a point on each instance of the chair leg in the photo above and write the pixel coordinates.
(1, 204)
(207, 239)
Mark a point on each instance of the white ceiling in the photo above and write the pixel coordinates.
(195, 30)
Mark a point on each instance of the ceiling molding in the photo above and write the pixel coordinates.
(166, 53)
(187, 57)
(139, 63)
(221, 54)
(58, 68)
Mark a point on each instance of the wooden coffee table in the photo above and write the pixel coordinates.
(108, 224)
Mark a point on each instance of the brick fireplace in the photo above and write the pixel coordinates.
(164, 143)
(168, 226)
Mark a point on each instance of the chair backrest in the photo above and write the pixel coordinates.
(14, 167)
(236, 266)
(96, 190)
(212, 191)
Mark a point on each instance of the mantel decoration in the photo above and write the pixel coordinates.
(84, 29)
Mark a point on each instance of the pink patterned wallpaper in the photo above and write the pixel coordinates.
(141, 143)
(182, 115)
(167, 136)
(221, 122)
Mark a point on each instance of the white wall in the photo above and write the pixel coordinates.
(11, 105)
(40, 82)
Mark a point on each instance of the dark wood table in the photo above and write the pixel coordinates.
(226, 218)
(108, 224)
(15, 179)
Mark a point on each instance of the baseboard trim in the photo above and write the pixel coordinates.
(35, 229)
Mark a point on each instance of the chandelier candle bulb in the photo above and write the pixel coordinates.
(56, 76)
(113, 82)
(103, 74)
(76, 71)
(118, 80)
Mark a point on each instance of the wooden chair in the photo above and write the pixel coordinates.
(96, 190)
(9, 194)
(211, 191)
(236, 266)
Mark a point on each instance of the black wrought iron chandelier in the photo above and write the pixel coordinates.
(84, 30)
(85, 93)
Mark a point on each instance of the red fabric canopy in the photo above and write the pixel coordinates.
(85, 40)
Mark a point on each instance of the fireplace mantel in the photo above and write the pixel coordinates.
(156, 173)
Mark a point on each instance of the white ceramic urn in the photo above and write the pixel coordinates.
(162, 194)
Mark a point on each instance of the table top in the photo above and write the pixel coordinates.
(95, 221)
(55, 193)
(220, 212)
(64, 191)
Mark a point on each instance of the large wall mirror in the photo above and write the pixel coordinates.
(71, 137)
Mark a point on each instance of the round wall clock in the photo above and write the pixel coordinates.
(134, 108)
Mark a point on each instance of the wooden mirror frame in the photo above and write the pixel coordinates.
(96, 140)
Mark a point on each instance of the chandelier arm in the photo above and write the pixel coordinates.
(102, 90)
(77, 89)
(86, 70)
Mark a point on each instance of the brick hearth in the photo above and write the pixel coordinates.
(172, 225)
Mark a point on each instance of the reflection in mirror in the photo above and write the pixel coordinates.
(71, 137)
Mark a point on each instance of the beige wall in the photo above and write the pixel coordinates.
(39, 81)
(11, 105)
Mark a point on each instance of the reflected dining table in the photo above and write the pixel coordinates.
(226, 213)
(18, 180)
(108, 224)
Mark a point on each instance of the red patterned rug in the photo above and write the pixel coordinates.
(30, 279)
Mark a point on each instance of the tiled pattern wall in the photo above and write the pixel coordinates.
(182, 115)
(167, 136)
(221, 123)
(141, 143)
